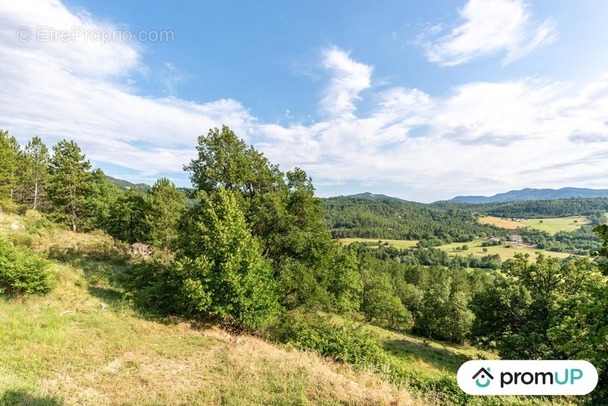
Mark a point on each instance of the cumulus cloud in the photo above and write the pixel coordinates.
(349, 78)
(489, 27)
(482, 137)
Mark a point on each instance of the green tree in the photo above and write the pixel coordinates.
(381, 306)
(128, 220)
(220, 266)
(444, 314)
(282, 212)
(69, 184)
(34, 173)
(9, 156)
(224, 160)
(165, 205)
(521, 314)
(101, 195)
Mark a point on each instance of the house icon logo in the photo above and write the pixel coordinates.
(483, 378)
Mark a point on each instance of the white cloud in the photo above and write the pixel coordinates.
(481, 138)
(348, 80)
(489, 27)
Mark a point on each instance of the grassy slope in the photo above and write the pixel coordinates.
(83, 344)
(68, 348)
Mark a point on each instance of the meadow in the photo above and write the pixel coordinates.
(506, 251)
(85, 344)
(402, 244)
(549, 225)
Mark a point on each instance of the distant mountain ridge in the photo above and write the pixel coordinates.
(533, 194)
(374, 196)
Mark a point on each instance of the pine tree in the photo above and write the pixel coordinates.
(9, 156)
(69, 184)
(34, 173)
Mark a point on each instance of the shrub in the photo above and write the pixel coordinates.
(347, 343)
(21, 239)
(8, 206)
(22, 272)
(153, 286)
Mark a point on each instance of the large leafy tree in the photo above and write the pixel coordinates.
(165, 205)
(34, 173)
(97, 210)
(444, 312)
(128, 217)
(69, 185)
(220, 268)
(282, 212)
(523, 314)
(9, 156)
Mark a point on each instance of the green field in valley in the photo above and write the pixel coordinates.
(396, 243)
(549, 225)
(505, 251)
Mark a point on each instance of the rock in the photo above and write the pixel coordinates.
(139, 248)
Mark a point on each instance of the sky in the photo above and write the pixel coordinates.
(419, 100)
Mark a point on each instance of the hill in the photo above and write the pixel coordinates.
(356, 217)
(125, 185)
(534, 194)
(84, 343)
(374, 196)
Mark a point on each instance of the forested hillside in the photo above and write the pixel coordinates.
(589, 207)
(367, 218)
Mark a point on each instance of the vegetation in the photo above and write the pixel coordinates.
(22, 272)
(392, 219)
(250, 250)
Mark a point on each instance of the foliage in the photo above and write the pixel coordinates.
(283, 214)
(219, 264)
(165, 206)
(339, 341)
(34, 173)
(364, 218)
(516, 315)
(22, 272)
(70, 183)
(537, 208)
(444, 312)
(127, 220)
(9, 154)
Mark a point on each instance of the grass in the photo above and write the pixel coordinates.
(475, 248)
(549, 225)
(397, 243)
(505, 252)
(84, 344)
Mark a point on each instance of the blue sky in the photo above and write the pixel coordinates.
(420, 100)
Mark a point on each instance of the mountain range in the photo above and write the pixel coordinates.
(533, 194)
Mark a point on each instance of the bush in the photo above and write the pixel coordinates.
(347, 343)
(22, 272)
(21, 239)
(152, 285)
(36, 223)
(8, 206)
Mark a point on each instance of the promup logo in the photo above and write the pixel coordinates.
(483, 375)
(527, 377)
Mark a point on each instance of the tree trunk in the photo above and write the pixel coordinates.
(35, 196)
